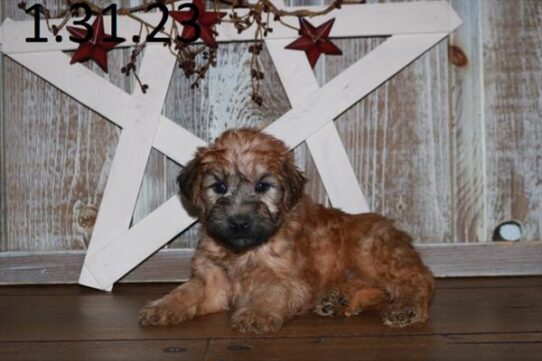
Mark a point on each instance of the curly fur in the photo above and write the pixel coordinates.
(295, 256)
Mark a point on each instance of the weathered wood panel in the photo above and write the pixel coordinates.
(224, 93)
(467, 118)
(448, 151)
(445, 260)
(314, 188)
(512, 80)
(3, 212)
(496, 118)
(398, 141)
(56, 156)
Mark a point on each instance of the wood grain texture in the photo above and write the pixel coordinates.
(398, 141)
(467, 130)
(73, 314)
(143, 350)
(65, 267)
(3, 210)
(490, 347)
(144, 109)
(56, 157)
(57, 161)
(448, 151)
(75, 323)
(314, 187)
(325, 146)
(154, 190)
(157, 288)
(512, 38)
(460, 260)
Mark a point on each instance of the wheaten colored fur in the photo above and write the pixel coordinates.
(316, 258)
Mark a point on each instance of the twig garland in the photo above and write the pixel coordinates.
(195, 59)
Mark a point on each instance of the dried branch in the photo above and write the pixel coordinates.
(196, 60)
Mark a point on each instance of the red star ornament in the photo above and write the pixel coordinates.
(206, 20)
(95, 48)
(315, 41)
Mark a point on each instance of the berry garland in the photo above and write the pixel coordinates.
(194, 59)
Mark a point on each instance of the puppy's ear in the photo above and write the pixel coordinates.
(295, 182)
(188, 181)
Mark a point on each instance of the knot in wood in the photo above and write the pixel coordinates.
(87, 217)
(457, 56)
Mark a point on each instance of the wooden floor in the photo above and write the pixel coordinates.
(471, 319)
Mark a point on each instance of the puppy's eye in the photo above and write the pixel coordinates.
(220, 188)
(262, 187)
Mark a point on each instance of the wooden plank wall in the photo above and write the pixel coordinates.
(398, 141)
(449, 148)
(3, 214)
(467, 147)
(496, 87)
(513, 110)
(56, 156)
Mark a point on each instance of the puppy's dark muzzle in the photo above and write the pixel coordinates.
(239, 224)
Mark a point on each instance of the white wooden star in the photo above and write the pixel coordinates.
(115, 248)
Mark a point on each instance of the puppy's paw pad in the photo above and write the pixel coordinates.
(332, 305)
(247, 321)
(400, 317)
(325, 308)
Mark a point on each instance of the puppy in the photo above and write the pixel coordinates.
(266, 252)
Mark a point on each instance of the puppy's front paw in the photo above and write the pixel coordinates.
(332, 305)
(245, 320)
(401, 316)
(163, 312)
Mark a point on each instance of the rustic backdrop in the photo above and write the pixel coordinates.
(449, 148)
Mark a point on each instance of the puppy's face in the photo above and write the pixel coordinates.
(242, 185)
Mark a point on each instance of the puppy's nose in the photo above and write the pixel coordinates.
(239, 223)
